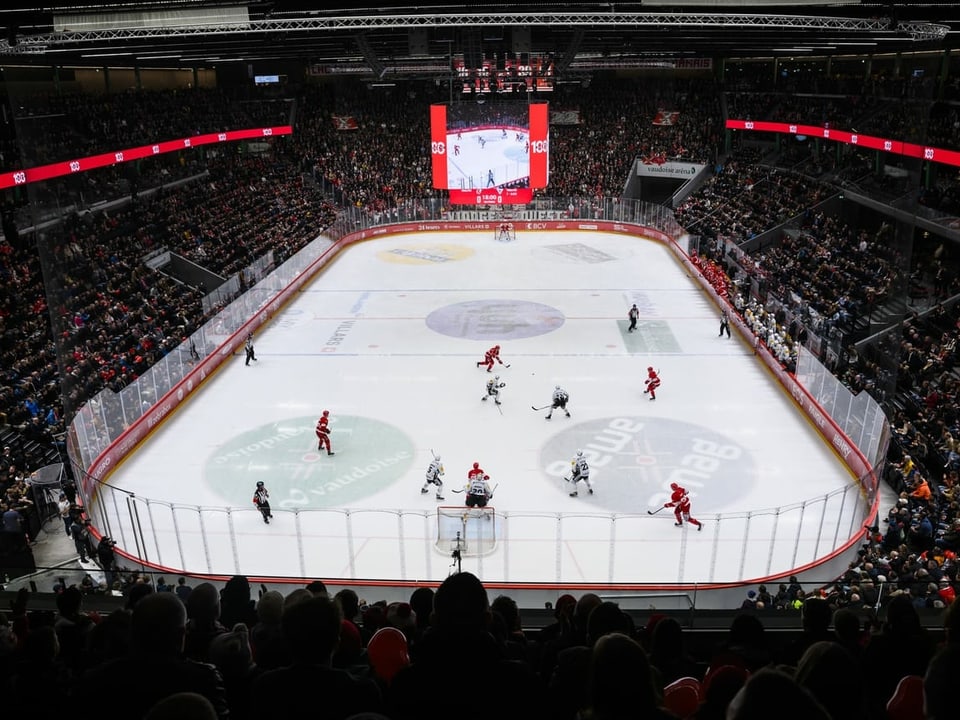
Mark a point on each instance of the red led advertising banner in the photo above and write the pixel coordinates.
(898, 147)
(539, 145)
(438, 145)
(69, 167)
(492, 196)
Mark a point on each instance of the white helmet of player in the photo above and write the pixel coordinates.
(496, 378)
(579, 453)
(556, 387)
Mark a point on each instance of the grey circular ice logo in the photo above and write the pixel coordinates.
(495, 320)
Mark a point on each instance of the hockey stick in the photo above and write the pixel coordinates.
(500, 408)
(649, 512)
(539, 409)
(457, 491)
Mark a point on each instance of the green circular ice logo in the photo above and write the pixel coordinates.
(368, 456)
(634, 459)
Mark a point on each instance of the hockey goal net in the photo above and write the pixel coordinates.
(473, 530)
(504, 232)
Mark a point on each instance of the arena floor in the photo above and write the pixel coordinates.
(387, 339)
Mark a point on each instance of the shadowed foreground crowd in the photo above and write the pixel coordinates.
(199, 653)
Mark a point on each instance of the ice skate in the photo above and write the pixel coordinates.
(484, 398)
(591, 491)
(568, 414)
(330, 453)
(497, 402)
(440, 497)
(699, 527)
(680, 524)
(548, 417)
(573, 494)
(423, 491)
(652, 397)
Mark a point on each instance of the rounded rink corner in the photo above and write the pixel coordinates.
(466, 531)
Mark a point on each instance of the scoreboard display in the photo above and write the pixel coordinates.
(505, 72)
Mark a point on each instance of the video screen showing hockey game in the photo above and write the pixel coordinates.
(483, 146)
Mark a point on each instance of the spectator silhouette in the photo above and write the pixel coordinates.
(815, 616)
(236, 605)
(155, 667)
(834, 677)
(620, 682)
(203, 624)
(902, 647)
(312, 629)
(668, 653)
(746, 645)
(269, 647)
(459, 637)
(568, 684)
(771, 688)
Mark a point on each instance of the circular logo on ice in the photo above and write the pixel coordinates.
(426, 254)
(495, 320)
(368, 456)
(634, 459)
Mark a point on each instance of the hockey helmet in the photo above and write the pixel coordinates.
(674, 486)
(579, 453)
(556, 387)
(496, 378)
(476, 466)
(259, 483)
(326, 413)
(649, 369)
(496, 347)
(486, 477)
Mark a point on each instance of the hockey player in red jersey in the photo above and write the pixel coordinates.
(490, 357)
(652, 382)
(474, 473)
(680, 502)
(323, 432)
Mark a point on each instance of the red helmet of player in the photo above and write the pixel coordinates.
(326, 413)
(674, 486)
(649, 369)
(496, 347)
(476, 466)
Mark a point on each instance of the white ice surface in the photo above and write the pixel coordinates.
(356, 342)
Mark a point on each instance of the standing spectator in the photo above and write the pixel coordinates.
(66, 512)
(815, 617)
(80, 532)
(203, 621)
(107, 559)
(266, 636)
(621, 681)
(236, 604)
(183, 590)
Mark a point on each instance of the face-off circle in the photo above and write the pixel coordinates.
(369, 456)
(495, 320)
(634, 459)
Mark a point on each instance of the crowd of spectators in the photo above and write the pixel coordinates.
(113, 317)
(193, 650)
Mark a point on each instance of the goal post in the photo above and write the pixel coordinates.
(473, 530)
(504, 232)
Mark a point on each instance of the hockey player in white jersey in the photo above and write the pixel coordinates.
(493, 389)
(478, 491)
(560, 399)
(581, 472)
(434, 473)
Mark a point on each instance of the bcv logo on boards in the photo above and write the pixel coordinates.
(536, 226)
(634, 459)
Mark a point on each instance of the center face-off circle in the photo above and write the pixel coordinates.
(495, 320)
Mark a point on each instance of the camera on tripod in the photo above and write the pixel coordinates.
(456, 554)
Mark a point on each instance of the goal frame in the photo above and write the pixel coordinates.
(504, 232)
(477, 528)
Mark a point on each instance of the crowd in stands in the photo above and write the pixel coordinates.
(199, 651)
(113, 317)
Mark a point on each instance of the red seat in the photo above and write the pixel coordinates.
(906, 703)
(682, 697)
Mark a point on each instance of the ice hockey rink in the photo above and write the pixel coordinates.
(387, 338)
